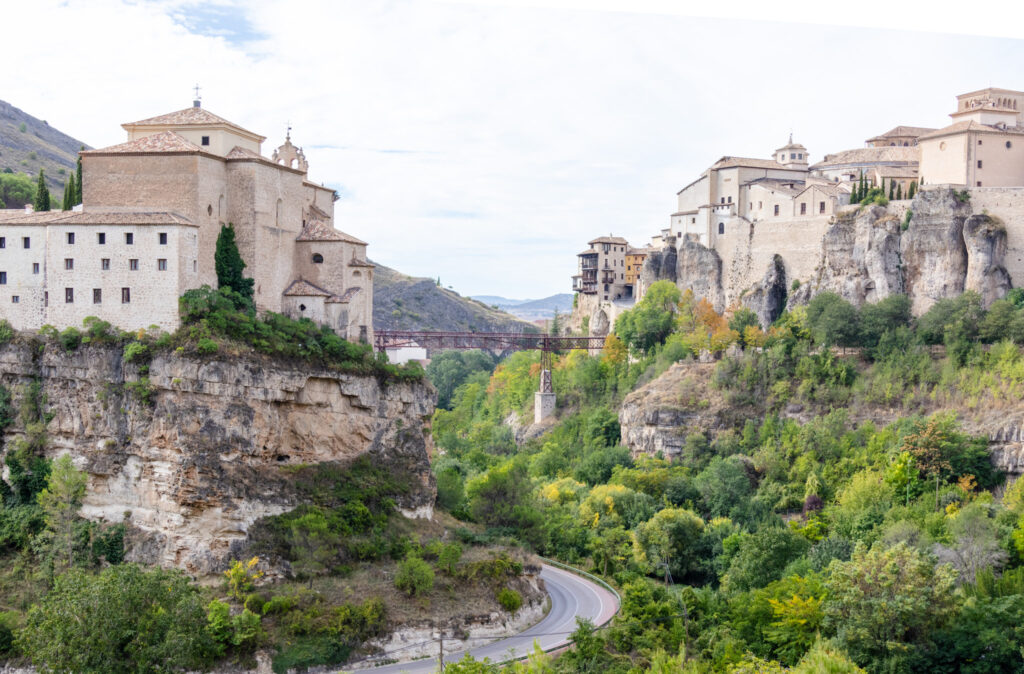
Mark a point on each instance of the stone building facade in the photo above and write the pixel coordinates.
(146, 232)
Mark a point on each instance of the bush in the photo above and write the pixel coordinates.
(70, 338)
(123, 619)
(414, 576)
(509, 599)
(6, 331)
(135, 352)
(206, 346)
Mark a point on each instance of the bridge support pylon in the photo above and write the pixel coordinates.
(544, 398)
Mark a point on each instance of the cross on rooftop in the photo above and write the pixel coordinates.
(197, 90)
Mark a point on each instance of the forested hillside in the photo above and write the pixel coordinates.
(836, 515)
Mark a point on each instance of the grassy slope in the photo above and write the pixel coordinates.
(52, 150)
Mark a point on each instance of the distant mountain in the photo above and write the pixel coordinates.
(28, 144)
(403, 302)
(530, 310)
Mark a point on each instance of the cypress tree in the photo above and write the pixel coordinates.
(229, 265)
(913, 189)
(42, 202)
(78, 181)
(863, 188)
(69, 193)
(899, 192)
(892, 191)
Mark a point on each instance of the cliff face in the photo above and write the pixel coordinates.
(863, 254)
(192, 469)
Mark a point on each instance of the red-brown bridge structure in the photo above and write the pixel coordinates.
(501, 342)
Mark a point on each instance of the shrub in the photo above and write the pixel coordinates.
(135, 352)
(70, 338)
(206, 346)
(509, 599)
(123, 619)
(6, 331)
(414, 576)
(906, 220)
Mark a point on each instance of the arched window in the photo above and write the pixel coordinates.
(302, 307)
(721, 228)
(318, 258)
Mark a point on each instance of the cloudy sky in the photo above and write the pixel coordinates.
(486, 141)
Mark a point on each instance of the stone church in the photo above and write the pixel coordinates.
(147, 229)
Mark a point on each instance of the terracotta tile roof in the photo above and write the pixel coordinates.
(189, 117)
(345, 296)
(356, 262)
(589, 251)
(870, 155)
(609, 239)
(300, 288)
(971, 125)
(317, 230)
(96, 218)
(165, 141)
(790, 187)
(897, 171)
(238, 152)
(902, 132)
(747, 162)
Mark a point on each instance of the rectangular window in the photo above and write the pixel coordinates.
(26, 242)
(69, 295)
(3, 241)
(163, 238)
(101, 238)
(776, 209)
(133, 265)
(979, 183)
(161, 264)
(126, 295)
(760, 204)
(803, 208)
(105, 264)
(129, 238)
(71, 237)
(821, 206)
(46, 298)
(15, 299)
(35, 267)
(69, 263)
(3, 278)
(97, 296)
(979, 141)
(205, 140)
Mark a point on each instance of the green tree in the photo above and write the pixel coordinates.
(884, 601)
(879, 317)
(899, 191)
(229, 265)
(833, 320)
(741, 319)
(669, 543)
(16, 190)
(122, 620)
(60, 501)
(42, 202)
(652, 319)
(78, 179)
(414, 575)
(448, 370)
(763, 556)
(912, 190)
(449, 557)
(892, 192)
(69, 193)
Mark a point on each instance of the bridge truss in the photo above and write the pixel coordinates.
(501, 342)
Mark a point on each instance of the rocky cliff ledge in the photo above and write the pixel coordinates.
(190, 461)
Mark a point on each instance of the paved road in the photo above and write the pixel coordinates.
(571, 597)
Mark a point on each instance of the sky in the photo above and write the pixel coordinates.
(485, 142)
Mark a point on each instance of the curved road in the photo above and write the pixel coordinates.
(571, 597)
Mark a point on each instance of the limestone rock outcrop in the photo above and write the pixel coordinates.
(985, 240)
(933, 250)
(699, 269)
(768, 298)
(192, 469)
(659, 265)
(860, 257)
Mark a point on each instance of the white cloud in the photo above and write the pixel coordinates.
(486, 142)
